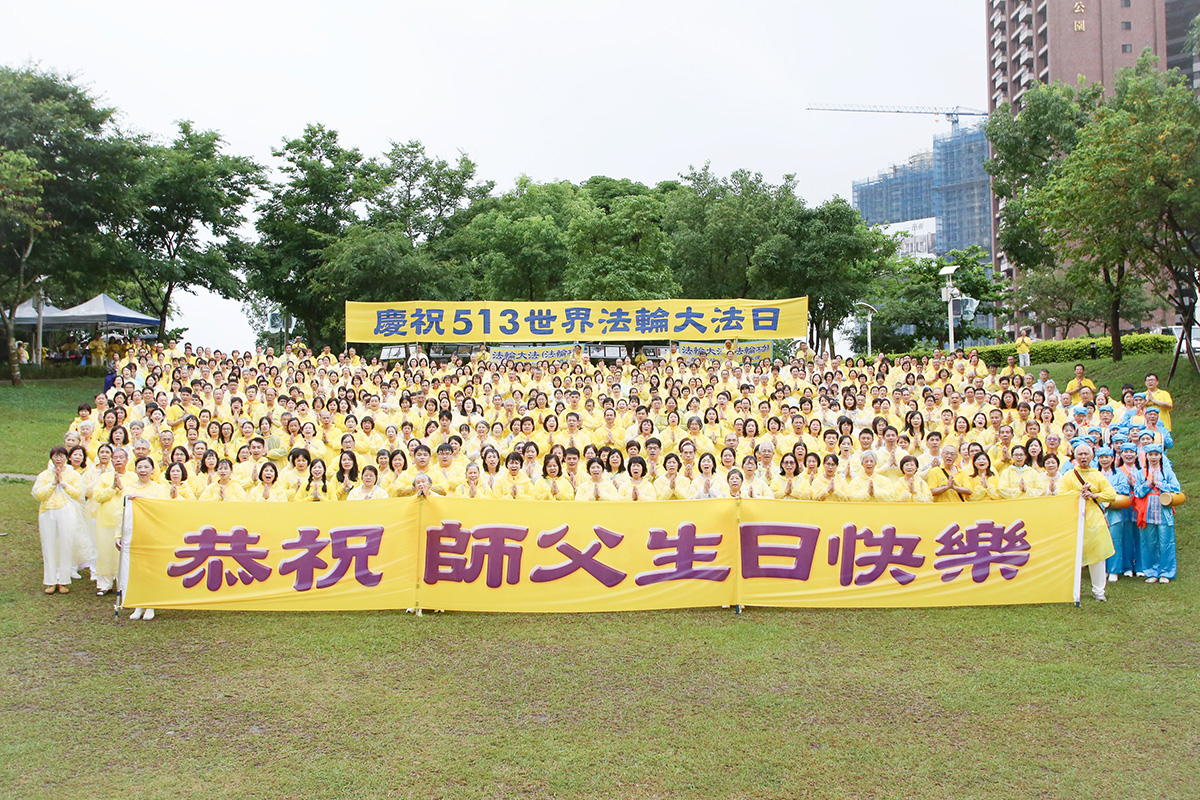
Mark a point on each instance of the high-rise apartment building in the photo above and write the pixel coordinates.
(1061, 40)
(1064, 40)
(1180, 14)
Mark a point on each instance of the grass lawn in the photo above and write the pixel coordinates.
(34, 416)
(1042, 701)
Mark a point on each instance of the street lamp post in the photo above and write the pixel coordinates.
(871, 312)
(949, 294)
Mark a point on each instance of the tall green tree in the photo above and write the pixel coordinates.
(324, 185)
(519, 249)
(373, 264)
(22, 220)
(189, 203)
(828, 254)
(716, 225)
(1027, 149)
(77, 166)
(1126, 200)
(621, 254)
(420, 193)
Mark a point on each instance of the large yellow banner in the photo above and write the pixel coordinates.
(908, 554)
(273, 556)
(544, 323)
(497, 555)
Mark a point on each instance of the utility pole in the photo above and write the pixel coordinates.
(949, 294)
(871, 312)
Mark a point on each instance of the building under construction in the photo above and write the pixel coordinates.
(947, 183)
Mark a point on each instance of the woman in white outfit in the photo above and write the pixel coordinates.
(58, 490)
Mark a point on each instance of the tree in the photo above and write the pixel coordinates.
(716, 225)
(1126, 200)
(1026, 150)
(911, 309)
(1060, 298)
(22, 219)
(66, 189)
(324, 184)
(189, 204)
(372, 264)
(519, 248)
(419, 193)
(620, 255)
(826, 253)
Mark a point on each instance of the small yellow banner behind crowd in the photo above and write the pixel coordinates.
(495, 555)
(547, 323)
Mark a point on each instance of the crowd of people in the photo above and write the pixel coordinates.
(301, 426)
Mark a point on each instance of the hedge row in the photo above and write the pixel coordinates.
(34, 372)
(1054, 351)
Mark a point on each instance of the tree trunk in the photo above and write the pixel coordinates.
(166, 310)
(1114, 321)
(14, 358)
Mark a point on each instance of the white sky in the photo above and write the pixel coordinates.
(554, 90)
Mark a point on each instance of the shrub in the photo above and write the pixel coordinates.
(1054, 350)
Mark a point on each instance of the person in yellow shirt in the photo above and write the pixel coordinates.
(224, 489)
(268, 489)
(177, 482)
(1090, 484)
(868, 486)
(316, 487)
(596, 487)
(514, 483)
(1021, 479)
(637, 486)
(1075, 385)
(911, 487)
(369, 488)
(789, 484)
(472, 486)
(1159, 398)
(947, 483)
(831, 483)
(552, 485)
(671, 484)
(1024, 345)
(59, 491)
(984, 483)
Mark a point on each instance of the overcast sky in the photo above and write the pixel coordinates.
(554, 90)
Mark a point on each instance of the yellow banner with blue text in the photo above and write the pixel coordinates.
(543, 556)
(756, 350)
(503, 322)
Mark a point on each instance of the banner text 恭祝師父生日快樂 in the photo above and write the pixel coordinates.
(545, 556)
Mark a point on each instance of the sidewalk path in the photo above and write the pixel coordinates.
(15, 476)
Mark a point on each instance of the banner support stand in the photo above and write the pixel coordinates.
(1079, 548)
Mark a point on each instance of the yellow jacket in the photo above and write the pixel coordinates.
(52, 496)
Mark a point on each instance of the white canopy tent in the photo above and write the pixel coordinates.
(27, 314)
(102, 310)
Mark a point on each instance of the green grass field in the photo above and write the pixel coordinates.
(1041, 701)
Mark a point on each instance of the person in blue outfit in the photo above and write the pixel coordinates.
(1154, 517)
(1120, 561)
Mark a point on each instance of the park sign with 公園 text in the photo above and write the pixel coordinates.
(544, 556)
(591, 321)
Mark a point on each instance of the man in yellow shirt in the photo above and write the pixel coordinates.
(1024, 344)
(1075, 387)
(1159, 398)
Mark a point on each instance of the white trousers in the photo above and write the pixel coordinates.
(1099, 576)
(1022, 359)
(107, 558)
(55, 528)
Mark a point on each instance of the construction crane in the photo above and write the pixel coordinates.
(951, 114)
